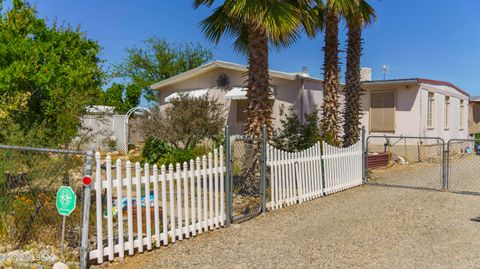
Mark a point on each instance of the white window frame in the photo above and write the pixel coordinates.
(447, 113)
(431, 110)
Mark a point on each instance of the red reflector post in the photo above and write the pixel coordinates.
(87, 180)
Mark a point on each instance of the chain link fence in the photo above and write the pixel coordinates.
(415, 162)
(245, 175)
(29, 180)
(463, 164)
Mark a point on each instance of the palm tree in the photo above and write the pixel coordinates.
(330, 123)
(360, 14)
(254, 25)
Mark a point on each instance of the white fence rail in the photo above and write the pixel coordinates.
(155, 206)
(300, 176)
(343, 167)
(140, 208)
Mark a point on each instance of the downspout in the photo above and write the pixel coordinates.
(302, 82)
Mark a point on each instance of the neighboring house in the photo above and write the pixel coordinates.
(474, 115)
(415, 107)
(226, 81)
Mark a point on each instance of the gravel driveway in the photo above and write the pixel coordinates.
(365, 227)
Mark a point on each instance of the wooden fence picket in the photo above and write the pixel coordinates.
(163, 178)
(156, 208)
(98, 205)
(185, 201)
(148, 220)
(189, 198)
(121, 244)
(109, 208)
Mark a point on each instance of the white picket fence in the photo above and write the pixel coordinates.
(300, 176)
(186, 200)
(189, 199)
(343, 167)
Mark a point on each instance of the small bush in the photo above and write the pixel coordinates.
(185, 122)
(155, 149)
(178, 156)
(295, 135)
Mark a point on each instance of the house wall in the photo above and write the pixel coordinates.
(439, 129)
(287, 93)
(407, 120)
(411, 111)
(474, 118)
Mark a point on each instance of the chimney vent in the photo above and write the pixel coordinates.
(304, 71)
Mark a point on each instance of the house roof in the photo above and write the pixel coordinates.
(474, 99)
(227, 65)
(416, 81)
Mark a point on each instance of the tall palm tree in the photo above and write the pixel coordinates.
(360, 14)
(254, 25)
(330, 123)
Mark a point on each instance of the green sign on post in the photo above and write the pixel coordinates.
(66, 201)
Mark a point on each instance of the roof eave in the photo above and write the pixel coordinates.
(389, 82)
(220, 64)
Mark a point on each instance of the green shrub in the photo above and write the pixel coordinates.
(178, 156)
(295, 135)
(155, 149)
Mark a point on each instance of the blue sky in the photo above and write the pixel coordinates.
(435, 39)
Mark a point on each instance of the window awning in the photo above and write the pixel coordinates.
(192, 94)
(240, 93)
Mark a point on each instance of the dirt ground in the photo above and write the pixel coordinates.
(365, 227)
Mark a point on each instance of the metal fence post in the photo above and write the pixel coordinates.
(263, 159)
(446, 164)
(228, 188)
(364, 170)
(84, 249)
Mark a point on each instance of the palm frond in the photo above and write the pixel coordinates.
(198, 3)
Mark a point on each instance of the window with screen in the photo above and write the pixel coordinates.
(430, 109)
(447, 112)
(382, 112)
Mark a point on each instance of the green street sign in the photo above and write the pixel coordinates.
(66, 201)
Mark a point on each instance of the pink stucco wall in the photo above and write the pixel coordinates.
(305, 94)
(411, 111)
(288, 92)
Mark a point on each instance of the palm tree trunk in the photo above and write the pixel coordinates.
(259, 110)
(330, 121)
(353, 92)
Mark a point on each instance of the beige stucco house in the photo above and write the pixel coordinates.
(415, 107)
(226, 81)
(409, 107)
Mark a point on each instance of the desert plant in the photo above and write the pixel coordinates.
(185, 122)
(295, 135)
(154, 149)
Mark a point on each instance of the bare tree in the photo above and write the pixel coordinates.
(185, 121)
